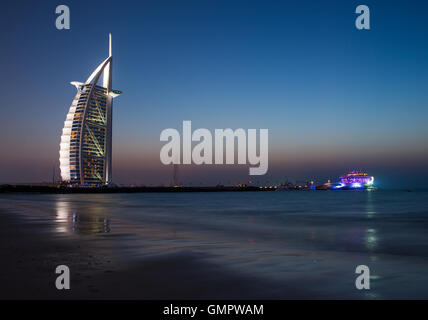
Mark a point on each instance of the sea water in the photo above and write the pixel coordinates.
(307, 241)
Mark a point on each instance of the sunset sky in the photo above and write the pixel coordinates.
(334, 98)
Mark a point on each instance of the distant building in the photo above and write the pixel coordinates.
(86, 140)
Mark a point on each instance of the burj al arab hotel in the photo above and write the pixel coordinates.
(86, 140)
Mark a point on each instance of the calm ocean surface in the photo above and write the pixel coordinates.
(307, 240)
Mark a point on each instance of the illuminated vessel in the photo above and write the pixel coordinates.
(354, 180)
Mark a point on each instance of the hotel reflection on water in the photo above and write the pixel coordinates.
(86, 221)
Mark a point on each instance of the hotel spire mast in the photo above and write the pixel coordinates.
(108, 84)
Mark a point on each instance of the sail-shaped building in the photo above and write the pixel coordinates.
(86, 140)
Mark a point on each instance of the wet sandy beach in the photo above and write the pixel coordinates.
(31, 254)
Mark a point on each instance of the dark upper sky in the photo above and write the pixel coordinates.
(334, 98)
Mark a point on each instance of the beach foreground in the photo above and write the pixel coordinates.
(31, 254)
(187, 246)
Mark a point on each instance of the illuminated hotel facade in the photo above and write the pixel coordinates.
(86, 140)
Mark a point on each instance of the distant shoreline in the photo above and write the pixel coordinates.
(46, 189)
(64, 190)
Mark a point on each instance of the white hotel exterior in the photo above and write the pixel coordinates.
(86, 140)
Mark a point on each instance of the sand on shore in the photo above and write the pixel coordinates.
(31, 251)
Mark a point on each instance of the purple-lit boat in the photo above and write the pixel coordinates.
(354, 180)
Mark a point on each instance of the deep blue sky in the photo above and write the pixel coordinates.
(333, 97)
